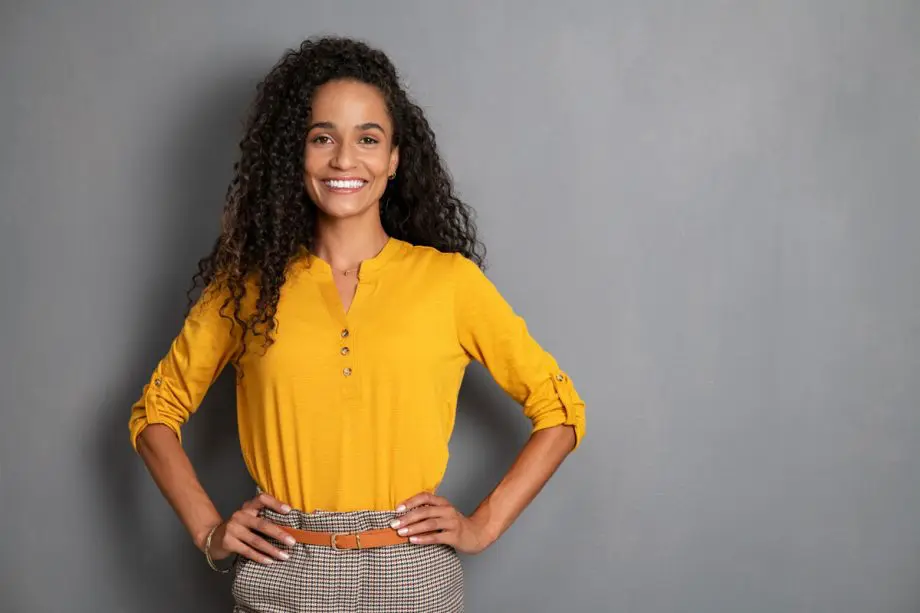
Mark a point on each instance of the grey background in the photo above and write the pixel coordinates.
(707, 211)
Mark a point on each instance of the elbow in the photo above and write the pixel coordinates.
(565, 434)
(142, 421)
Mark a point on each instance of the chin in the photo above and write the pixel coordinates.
(342, 211)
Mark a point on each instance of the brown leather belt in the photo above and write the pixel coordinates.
(348, 540)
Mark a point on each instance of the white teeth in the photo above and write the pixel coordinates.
(344, 184)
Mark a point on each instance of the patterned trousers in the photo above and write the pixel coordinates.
(396, 579)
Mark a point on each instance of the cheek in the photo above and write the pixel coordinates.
(378, 166)
(312, 162)
(311, 166)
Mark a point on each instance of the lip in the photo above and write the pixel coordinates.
(341, 190)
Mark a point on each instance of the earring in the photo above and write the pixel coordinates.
(393, 176)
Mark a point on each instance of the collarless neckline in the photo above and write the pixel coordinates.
(368, 268)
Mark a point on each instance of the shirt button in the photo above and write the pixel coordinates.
(344, 351)
(346, 372)
(158, 382)
(344, 333)
(560, 378)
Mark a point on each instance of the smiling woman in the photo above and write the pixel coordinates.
(345, 250)
(349, 150)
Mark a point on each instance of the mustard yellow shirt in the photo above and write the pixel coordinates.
(350, 411)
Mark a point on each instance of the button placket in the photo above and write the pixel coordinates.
(347, 365)
(344, 351)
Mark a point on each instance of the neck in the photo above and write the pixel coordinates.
(344, 244)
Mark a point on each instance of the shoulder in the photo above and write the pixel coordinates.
(445, 265)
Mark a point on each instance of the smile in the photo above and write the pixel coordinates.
(344, 185)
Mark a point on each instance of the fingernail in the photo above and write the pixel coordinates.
(403, 532)
(401, 508)
(285, 508)
(290, 540)
(268, 561)
(413, 539)
(284, 555)
(394, 523)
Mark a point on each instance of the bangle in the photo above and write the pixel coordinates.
(207, 551)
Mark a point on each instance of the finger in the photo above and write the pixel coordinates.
(433, 538)
(275, 531)
(259, 544)
(273, 503)
(428, 525)
(261, 525)
(264, 500)
(420, 514)
(246, 551)
(422, 499)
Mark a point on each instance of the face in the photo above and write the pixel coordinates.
(348, 152)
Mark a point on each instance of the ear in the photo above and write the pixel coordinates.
(394, 160)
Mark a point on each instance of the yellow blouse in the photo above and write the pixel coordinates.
(351, 411)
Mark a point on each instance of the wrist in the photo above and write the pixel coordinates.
(488, 531)
(208, 542)
(200, 537)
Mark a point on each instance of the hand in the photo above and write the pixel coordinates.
(432, 519)
(241, 533)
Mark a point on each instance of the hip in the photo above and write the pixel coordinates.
(402, 577)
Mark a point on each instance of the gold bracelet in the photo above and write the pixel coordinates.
(207, 551)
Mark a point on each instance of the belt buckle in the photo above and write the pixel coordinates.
(335, 535)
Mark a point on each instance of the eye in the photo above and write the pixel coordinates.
(368, 140)
(322, 139)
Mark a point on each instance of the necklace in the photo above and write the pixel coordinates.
(346, 271)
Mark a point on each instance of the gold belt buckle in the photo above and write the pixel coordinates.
(338, 534)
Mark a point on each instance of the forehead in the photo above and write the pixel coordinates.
(349, 103)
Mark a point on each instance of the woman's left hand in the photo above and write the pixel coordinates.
(432, 519)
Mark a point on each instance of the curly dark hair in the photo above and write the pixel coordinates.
(268, 216)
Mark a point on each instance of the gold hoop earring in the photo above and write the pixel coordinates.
(393, 176)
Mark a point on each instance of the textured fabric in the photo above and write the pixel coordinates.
(401, 578)
(353, 411)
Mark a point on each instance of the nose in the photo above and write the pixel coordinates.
(343, 158)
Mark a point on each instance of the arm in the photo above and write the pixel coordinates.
(174, 392)
(491, 333)
(536, 463)
(172, 471)
(433, 519)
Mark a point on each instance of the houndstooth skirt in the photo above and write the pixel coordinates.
(396, 579)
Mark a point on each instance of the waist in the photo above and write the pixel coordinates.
(338, 530)
(375, 482)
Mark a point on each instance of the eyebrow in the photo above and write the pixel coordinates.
(328, 125)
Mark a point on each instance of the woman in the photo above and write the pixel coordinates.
(345, 288)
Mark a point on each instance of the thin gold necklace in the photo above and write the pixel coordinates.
(345, 272)
(356, 268)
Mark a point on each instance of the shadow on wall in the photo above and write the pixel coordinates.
(156, 561)
(489, 433)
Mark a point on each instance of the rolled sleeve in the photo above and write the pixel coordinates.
(196, 357)
(557, 404)
(491, 332)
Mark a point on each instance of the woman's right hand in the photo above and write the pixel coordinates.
(243, 532)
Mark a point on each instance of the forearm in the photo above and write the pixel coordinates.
(536, 463)
(172, 471)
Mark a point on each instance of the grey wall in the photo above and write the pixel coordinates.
(706, 210)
